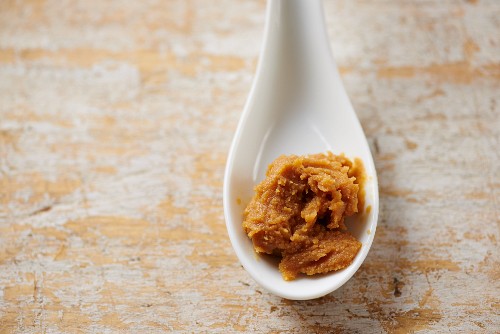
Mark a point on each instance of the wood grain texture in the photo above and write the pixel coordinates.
(115, 121)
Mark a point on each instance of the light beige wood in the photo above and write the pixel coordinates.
(115, 121)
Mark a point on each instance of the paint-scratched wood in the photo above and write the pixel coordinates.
(115, 121)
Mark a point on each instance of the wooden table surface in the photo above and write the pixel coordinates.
(115, 121)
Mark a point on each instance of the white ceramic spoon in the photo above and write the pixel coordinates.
(297, 105)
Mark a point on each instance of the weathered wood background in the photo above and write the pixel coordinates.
(115, 121)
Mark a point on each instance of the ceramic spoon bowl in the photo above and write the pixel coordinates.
(297, 105)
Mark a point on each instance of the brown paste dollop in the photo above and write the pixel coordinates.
(298, 212)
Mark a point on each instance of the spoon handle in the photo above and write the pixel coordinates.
(296, 33)
(296, 57)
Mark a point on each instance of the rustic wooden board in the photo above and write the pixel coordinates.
(115, 121)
